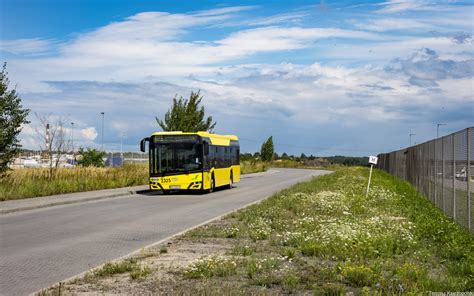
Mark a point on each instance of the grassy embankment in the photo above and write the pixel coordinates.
(34, 182)
(322, 237)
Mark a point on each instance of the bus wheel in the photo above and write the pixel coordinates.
(231, 181)
(213, 185)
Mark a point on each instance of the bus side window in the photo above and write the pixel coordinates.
(205, 153)
(226, 156)
(210, 157)
(221, 160)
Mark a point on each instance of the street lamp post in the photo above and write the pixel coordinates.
(122, 135)
(410, 138)
(437, 129)
(72, 138)
(102, 134)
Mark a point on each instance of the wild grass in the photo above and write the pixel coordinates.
(130, 266)
(34, 182)
(249, 167)
(327, 237)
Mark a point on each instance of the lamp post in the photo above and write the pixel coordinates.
(72, 138)
(122, 135)
(437, 129)
(102, 134)
(410, 138)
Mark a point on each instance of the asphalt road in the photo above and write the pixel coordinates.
(41, 247)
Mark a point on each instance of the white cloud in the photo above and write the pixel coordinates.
(315, 93)
(113, 47)
(88, 133)
(32, 134)
(131, 69)
(263, 98)
(26, 46)
(391, 24)
(150, 44)
(396, 6)
(268, 39)
(295, 17)
(224, 10)
(395, 46)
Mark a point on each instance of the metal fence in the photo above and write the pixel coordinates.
(441, 169)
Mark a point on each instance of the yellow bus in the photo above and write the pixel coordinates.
(192, 161)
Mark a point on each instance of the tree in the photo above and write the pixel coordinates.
(267, 150)
(12, 117)
(53, 140)
(186, 116)
(91, 157)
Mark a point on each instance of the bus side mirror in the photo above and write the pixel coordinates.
(142, 144)
(206, 148)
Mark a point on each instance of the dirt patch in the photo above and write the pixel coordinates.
(164, 261)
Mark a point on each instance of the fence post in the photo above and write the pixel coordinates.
(468, 177)
(442, 175)
(435, 172)
(428, 171)
(454, 180)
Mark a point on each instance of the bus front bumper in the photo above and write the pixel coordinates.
(177, 182)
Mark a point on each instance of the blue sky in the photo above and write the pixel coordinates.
(322, 77)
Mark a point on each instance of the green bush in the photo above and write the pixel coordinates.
(91, 157)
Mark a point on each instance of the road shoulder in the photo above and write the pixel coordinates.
(11, 206)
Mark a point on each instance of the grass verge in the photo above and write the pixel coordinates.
(34, 182)
(322, 237)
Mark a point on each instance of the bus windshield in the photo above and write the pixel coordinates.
(175, 157)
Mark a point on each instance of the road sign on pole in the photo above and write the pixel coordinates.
(373, 161)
